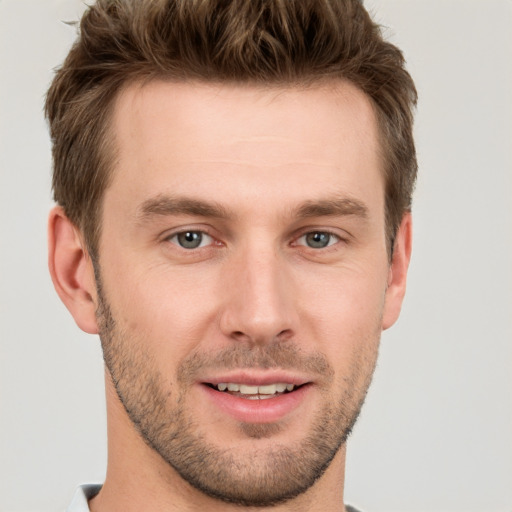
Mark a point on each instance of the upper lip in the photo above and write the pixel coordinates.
(257, 378)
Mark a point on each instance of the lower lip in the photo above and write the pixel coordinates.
(267, 410)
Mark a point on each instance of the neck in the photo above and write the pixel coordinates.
(139, 479)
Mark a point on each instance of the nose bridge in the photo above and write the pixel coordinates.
(259, 306)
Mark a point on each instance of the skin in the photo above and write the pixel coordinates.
(268, 166)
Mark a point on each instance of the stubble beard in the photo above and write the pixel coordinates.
(262, 478)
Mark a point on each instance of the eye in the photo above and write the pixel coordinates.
(318, 239)
(191, 239)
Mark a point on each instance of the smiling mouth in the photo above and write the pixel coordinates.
(254, 392)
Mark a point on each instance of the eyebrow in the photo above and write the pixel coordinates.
(164, 205)
(334, 207)
(168, 205)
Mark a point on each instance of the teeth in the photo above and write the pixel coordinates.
(267, 390)
(248, 390)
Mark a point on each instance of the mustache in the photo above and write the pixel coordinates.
(283, 355)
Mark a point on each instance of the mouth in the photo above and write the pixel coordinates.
(255, 392)
(250, 397)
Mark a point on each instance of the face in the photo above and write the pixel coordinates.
(242, 279)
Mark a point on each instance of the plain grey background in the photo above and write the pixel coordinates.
(436, 431)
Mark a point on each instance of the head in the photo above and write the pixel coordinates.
(281, 43)
(234, 181)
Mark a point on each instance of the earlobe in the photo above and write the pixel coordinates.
(71, 270)
(397, 277)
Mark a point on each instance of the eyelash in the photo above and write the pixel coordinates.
(185, 232)
(332, 236)
(333, 239)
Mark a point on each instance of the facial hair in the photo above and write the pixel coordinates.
(158, 410)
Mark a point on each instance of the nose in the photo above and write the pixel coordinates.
(259, 304)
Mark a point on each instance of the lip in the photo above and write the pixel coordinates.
(252, 378)
(268, 410)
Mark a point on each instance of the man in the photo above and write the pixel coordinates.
(234, 184)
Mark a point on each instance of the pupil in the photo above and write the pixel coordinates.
(190, 239)
(318, 240)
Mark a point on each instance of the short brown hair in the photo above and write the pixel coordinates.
(278, 42)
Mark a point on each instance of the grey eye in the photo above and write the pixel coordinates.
(191, 239)
(318, 239)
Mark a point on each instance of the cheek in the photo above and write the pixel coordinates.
(167, 310)
(350, 338)
(344, 299)
(344, 316)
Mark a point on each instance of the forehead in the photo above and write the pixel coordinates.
(245, 140)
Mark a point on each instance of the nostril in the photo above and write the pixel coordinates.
(240, 336)
(284, 335)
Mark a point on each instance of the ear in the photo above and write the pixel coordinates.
(71, 270)
(397, 276)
